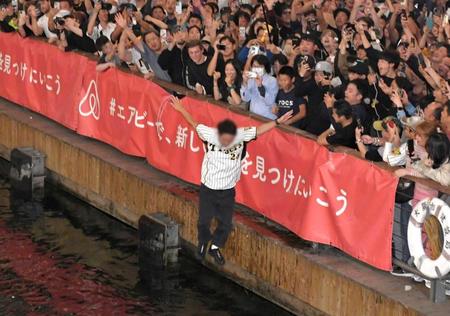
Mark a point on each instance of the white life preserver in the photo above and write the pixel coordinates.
(430, 268)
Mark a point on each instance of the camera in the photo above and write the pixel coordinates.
(221, 47)
(106, 6)
(295, 42)
(60, 21)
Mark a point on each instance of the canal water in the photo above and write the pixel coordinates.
(64, 257)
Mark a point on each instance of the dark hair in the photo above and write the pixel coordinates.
(361, 85)
(195, 27)
(438, 149)
(156, 7)
(366, 19)
(342, 108)
(281, 58)
(214, 7)
(238, 68)
(100, 42)
(391, 56)
(227, 127)
(262, 60)
(228, 38)
(288, 71)
(194, 44)
(195, 16)
(343, 10)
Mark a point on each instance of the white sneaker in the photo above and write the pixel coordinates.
(417, 278)
(402, 273)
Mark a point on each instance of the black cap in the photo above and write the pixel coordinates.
(310, 60)
(359, 67)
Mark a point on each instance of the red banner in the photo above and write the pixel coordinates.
(326, 197)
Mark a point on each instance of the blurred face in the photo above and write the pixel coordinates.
(404, 52)
(361, 54)
(170, 6)
(352, 94)
(257, 66)
(259, 13)
(108, 48)
(286, 16)
(428, 112)
(229, 48)
(307, 47)
(103, 16)
(193, 21)
(194, 34)
(285, 82)
(242, 21)
(196, 54)
(328, 40)
(226, 139)
(341, 20)
(64, 5)
(44, 6)
(319, 76)
(338, 119)
(153, 41)
(230, 72)
(158, 13)
(383, 67)
(421, 139)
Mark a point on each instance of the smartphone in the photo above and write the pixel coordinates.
(429, 21)
(242, 31)
(163, 34)
(179, 7)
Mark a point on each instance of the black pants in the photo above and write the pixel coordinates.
(217, 204)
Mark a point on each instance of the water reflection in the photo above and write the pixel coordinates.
(64, 257)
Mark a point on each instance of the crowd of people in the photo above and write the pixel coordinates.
(372, 75)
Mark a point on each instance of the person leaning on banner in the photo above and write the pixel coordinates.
(221, 170)
(391, 131)
(8, 18)
(149, 46)
(342, 128)
(109, 57)
(259, 87)
(71, 31)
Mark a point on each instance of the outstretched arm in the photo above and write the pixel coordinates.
(263, 128)
(176, 103)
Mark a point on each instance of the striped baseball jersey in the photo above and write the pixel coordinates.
(221, 167)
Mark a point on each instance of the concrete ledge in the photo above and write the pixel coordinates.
(261, 256)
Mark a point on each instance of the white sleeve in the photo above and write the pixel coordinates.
(395, 159)
(207, 134)
(246, 134)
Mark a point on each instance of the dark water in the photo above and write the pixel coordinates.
(63, 257)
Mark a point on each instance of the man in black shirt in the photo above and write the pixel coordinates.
(196, 69)
(287, 100)
(342, 130)
(8, 21)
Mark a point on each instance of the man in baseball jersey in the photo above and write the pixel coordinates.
(221, 170)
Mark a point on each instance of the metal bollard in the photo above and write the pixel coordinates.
(27, 173)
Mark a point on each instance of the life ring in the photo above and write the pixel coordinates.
(430, 268)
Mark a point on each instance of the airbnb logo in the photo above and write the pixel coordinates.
(90, 104)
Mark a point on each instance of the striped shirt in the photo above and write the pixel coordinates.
(221, 167)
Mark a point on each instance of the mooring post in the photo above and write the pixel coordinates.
(27, 173)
